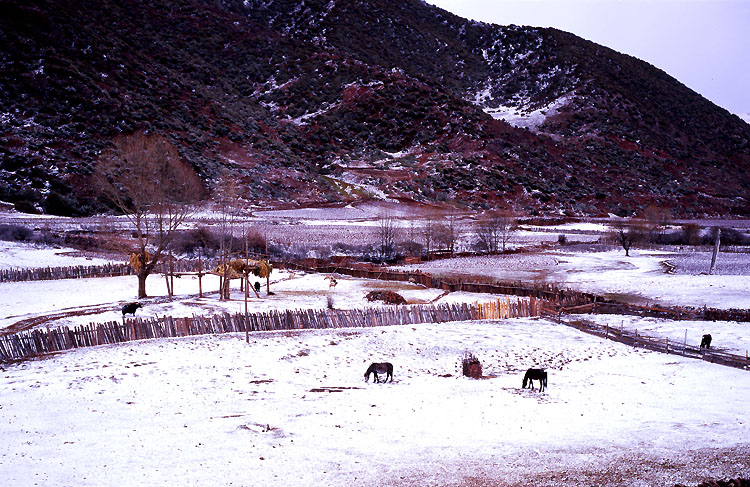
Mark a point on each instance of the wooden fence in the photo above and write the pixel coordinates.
(662, 344)
(105, 270)
(70, 272)
(543, 291)
(668, 312)
(39, 342)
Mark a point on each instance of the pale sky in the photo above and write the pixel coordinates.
(705, 44)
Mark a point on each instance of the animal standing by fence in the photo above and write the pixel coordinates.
(379, 368)
(706, 341)
(535, 374)
(37, 342)
(130, 308)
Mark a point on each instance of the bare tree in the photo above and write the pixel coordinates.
(495, 231)
(386, 236)
(628, 234)
(227, 201)
(657, 219)
(447, 234)
(145, 179)
(507, 226)
(411, 246)
(428, 235)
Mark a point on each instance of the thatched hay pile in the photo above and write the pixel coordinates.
(136, 262)
(238, 268)
(388, 297)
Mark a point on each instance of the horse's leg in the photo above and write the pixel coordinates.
(376, 377)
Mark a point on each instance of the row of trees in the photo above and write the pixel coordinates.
(144, 178)
(441, 234)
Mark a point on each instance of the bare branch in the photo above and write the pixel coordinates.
(145, 179)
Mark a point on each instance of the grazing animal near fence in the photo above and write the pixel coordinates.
(257, 287)
(535, 374)
(706, 341)
(130, 308)
(379, 368)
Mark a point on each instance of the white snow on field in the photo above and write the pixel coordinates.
(293, 409)
(72, 302)
(18, 255)
(579, 226)
(639, 278)
(727, 336)
(641, 275)
(509, 267)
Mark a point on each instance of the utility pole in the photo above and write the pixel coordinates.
(716, 250)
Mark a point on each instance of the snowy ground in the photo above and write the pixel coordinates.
(728, 336)
(18, 255)
(293, 409)
(639, 278)
(72, 302)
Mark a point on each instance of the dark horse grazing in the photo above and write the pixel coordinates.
(706, 341)
(379, 368)
(535, 374)
(131, 308)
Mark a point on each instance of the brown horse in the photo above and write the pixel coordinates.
(379, 368)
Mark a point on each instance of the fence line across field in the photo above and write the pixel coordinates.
(91, 271)
(657, 344)
(39, 342)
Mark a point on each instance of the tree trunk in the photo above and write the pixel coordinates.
(142, 284)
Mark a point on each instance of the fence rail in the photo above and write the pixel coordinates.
(69, 272)
(38, 342)
(104, 270)
(543, 291)
(672, 313)
(662, 344)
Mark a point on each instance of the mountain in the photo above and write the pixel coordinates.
(309, 102)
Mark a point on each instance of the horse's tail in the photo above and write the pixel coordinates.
(389, 366)
(544, 377)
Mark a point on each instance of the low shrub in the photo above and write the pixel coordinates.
(15, 233)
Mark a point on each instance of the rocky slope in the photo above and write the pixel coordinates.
(326, 101)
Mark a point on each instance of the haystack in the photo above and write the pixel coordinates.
(238, 268)
(136, 262)
(388, 297)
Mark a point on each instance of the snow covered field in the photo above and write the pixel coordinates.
(291, 408)
(639, 278)
(18, 255)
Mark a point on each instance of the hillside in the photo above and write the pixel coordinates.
(317, 102)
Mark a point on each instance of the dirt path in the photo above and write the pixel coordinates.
(34, 321)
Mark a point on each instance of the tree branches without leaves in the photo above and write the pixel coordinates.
(495, 231)
(144, 178)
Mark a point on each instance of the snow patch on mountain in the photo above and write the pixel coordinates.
(518, 117)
